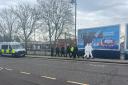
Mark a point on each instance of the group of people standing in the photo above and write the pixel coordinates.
(69, 51)
(72, 51)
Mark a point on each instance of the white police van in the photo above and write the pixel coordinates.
(12, 49)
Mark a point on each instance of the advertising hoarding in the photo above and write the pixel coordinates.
(102, 38)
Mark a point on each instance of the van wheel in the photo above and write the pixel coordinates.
(23, 55)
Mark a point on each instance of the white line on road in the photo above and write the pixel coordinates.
(73, 82)
(1, 68)
(49, 77)
(25, 73)
(8, 69)
(97, 65)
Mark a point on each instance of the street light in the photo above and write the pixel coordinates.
(75, 4)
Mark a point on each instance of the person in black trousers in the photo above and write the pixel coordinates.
(57, 51)
(52, 51)
(68, 52)
(62, 51)
(75, 52)
(72, 51)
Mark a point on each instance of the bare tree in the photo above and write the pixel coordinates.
(28, 17)
(57, 15)
(8, 24)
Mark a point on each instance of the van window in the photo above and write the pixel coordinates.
(10, 47)
(4, 46)
(16, 46)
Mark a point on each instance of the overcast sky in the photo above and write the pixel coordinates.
(91, 13)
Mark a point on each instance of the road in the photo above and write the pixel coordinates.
(40, 71)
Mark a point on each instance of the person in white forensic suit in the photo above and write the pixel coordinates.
(86, 51)
(90, 49)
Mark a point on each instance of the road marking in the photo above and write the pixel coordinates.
(97, 65)
(73, 82)
(25, 73)
(8, 69)
(1, 68)
(49, 77)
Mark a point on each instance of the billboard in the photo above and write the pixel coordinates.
(102, 38)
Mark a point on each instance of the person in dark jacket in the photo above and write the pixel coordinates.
(52, 51)
(75, 52)
(57, 51)
(62, 51)
(68, 53)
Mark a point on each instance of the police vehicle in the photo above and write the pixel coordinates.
(12, 49)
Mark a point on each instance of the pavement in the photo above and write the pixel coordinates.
(117, 61)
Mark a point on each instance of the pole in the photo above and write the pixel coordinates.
(34, 35)
(75, 19)
(34, 42)
(75, 4)
(65, 41)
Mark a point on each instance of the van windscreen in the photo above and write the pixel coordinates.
(4, 46)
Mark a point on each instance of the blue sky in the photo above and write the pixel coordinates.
(91, 13)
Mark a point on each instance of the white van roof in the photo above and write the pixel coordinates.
(9, 43)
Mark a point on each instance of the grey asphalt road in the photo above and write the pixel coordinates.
(39, 71)
(15, 78)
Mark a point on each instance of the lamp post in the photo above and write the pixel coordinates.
(75, 4)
